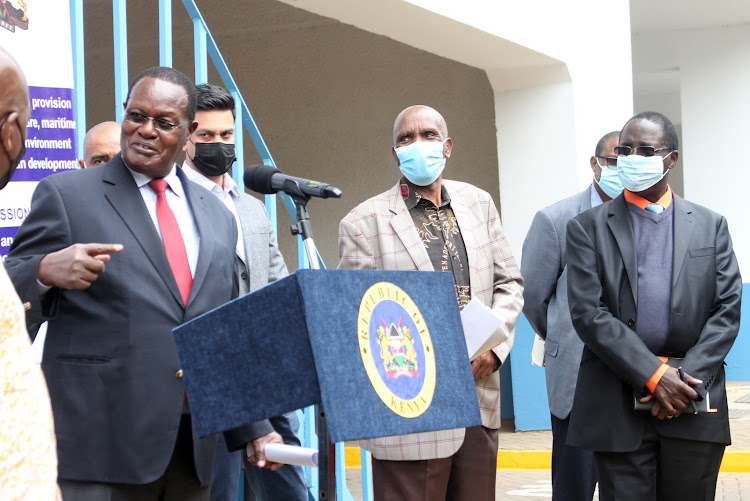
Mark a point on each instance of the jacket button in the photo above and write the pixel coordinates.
(179, 374)
(27, 306)
(631, 322)
(244, 275)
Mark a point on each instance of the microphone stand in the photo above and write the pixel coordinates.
(326, 449)
(304, 229)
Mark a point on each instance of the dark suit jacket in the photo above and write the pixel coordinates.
(110, 358)
(602, 292)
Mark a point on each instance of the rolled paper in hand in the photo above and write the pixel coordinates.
(292, 454)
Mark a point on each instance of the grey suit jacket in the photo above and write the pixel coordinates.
(602, 292)
(110, 359)
(545, 298)
(263, 262)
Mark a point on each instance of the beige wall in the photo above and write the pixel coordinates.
(323, 93)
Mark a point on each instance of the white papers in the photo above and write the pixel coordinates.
(482, 329)
(292, 454)
(537, 351)
(38, 345)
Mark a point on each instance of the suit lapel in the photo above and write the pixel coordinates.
(247, 236)
(684, 224)
(125, 197)
(403, 227)
(203, 222)
(464, 220)
(242, 211)
(622, 229)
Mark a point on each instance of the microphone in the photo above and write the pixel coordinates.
(267, 179)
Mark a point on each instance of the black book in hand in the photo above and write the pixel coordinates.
(694, 407)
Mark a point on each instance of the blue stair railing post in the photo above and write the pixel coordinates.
(120, 31)
(239, 142)
(201, 56)
(165, 33)
(366, 473)
(79, 71)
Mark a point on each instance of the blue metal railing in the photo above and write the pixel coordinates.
(205, 47)
(79, 74)
(120, 31)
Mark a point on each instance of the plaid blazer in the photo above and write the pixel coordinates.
(380, 234)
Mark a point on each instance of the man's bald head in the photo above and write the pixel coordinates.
(101, 144)
(421, 113)
(14, 114)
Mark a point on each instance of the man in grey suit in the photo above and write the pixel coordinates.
(544, 269)
(652, 275)
(209, 155)
(114, 257)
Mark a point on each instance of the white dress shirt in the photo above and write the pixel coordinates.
(180, 207)
(223, 194)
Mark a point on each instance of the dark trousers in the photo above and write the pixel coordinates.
(467, 475)
(225, 481)
(178, 483)
(573, 469)
(662, 468)
(287, 483)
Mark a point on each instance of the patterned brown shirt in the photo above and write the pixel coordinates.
(438, 228)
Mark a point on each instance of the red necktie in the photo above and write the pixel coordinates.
(174, 245)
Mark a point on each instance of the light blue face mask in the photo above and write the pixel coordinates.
(421, 162)
(638, 173)
(609, 181)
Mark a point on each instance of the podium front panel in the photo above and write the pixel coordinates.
(389, 351)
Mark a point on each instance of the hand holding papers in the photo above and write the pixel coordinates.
(482, 329)
(289, 454)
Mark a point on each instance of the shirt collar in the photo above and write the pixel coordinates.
(596, 198)
(172, 180)
(637, 200)
(198, 178)
(412, 198)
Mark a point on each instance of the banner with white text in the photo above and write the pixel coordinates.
(37, 34)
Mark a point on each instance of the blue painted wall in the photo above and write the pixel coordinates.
(524, 391)
(738, 361)
(528, 388)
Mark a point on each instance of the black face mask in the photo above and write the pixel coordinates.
(13, 165)
(213, 159)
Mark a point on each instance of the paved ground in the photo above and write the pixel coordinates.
(535, 484)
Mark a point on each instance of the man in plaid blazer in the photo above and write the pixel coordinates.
(425, 223)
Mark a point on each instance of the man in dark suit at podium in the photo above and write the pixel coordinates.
(651, 274)
(114, 257)
(426, 223)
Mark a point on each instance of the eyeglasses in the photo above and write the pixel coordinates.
(160, 124)
(608, 161)
(644, 151)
